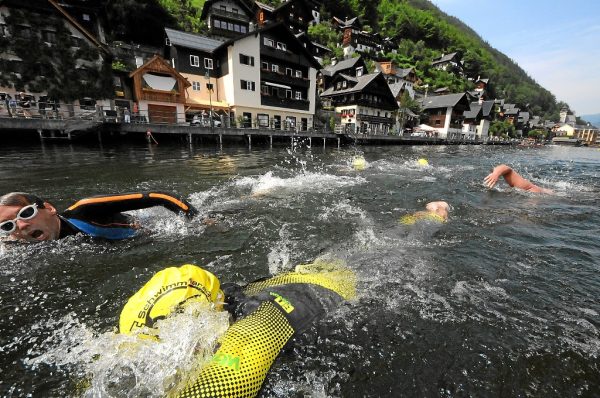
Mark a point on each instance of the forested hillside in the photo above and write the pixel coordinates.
(422, 32)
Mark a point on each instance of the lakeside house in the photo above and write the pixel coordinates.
(446, 113)
(364, 103)
(450, 63)
(266, 78)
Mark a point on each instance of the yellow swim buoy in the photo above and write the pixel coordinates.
(359, 163)
(423, 162)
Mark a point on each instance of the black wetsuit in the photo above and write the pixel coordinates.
(102, 216)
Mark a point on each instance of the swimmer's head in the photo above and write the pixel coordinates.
(26, 217)
(359, 163)
(167, 292)
(435, 211)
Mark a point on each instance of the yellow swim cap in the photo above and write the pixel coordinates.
(423, 162)
(167, 290)
(359, 163)
(411, 219)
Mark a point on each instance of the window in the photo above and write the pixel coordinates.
(288, 93)
(344, 84)
(235, 11)
(196, 86)
(167, 41)
(338, 85)
(299, 73)
(217, 23)
(274, 68)
(246, 60)
(264, 65)
(229, 25)
(236, 27)
(359, 71)
(263, 120)
(117, 81)
(247, 85)
(288, 71)
(269, 42)
(281, 46)
(194, 60)
(208, 63)
(264, 89)
(298, 95)
(209, 86)
(243, 29)
(86, 17)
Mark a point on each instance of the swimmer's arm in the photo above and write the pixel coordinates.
(511, 177)
(105, 205)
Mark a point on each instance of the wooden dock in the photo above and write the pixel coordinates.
(89, 129)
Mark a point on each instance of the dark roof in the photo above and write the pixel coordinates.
(474, 111)
(190, 40)
(263, 6)
(487, 107)
(347, 23)
(512, 111)
(363, 81)
(442, 101)
(396, 88)
(344, 64)
(349, 78)
(485, 81)
(208, 4)
(445, 58)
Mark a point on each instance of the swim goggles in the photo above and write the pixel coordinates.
(26, 213)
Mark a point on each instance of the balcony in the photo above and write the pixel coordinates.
(288, 103)
(230, 15)
(282, 78)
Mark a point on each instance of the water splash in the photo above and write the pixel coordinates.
(116, 365)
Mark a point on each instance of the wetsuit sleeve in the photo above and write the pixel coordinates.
(269, 320)
(107, 206)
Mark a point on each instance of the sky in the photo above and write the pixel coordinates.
(556, 42)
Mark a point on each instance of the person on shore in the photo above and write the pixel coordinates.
(26, 217)
(267, 314)
(127, 115)
(513, 179)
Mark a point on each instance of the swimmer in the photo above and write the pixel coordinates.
(434, 211)
(513, 179)
(26, 217)
(359, 163)
(267, 315)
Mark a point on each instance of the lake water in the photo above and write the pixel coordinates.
(502, 300)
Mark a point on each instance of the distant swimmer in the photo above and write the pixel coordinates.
(359, 163)
(26, 217)
(513, 179)
(434, 211)
(267, 315)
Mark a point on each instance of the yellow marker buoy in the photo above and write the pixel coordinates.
(423, 162)
(359, 163)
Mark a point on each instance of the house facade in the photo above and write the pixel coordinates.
(449, 63)
(297, 15)
(446, 114)
(264, 79)
(160, 91)
(228, 18)
(365, 103)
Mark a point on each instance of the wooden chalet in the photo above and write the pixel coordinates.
(160, 91)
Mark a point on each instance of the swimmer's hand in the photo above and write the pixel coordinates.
(491, 179)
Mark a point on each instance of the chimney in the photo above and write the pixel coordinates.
(333, 61)
(480, 100)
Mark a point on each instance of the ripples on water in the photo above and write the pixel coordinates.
(501, 300)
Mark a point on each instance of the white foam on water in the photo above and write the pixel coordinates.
(279, 257)
(269, 184)
(115, 365)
